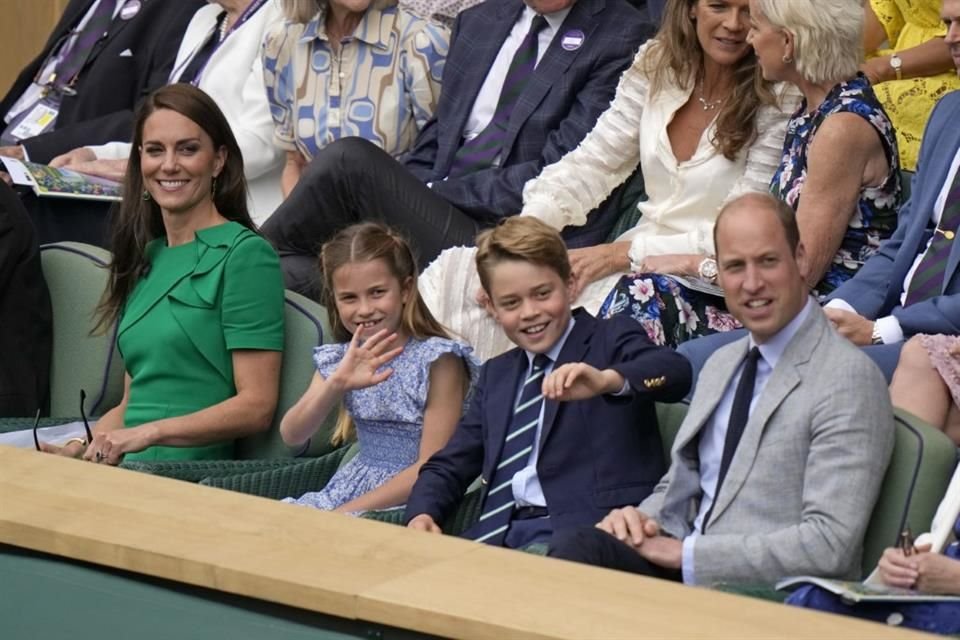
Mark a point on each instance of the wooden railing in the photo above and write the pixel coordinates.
(361, 570)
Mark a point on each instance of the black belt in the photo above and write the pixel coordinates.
(529, 513)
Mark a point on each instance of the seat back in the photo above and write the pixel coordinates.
(916, 480)
(669, 418)
(76, 275)
(305, 327)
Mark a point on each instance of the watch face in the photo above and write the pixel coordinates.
(708, 269)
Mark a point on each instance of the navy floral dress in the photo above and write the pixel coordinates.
(672, 313)
(875, 217)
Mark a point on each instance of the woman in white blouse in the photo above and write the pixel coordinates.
(693, 112)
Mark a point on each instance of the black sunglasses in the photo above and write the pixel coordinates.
(83, 415)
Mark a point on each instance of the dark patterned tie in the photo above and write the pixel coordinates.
(481, 152)
(79, 52)
(739, 415)
(498, 504)
(927, 280)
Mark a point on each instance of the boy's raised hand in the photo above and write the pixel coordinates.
(360, 363)
(580, 381)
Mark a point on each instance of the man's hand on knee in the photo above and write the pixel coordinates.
(629, 525)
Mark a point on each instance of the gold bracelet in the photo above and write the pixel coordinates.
(82, 441)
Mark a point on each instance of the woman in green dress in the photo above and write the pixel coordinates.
(198, 295)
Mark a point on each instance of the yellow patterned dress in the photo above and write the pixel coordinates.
(909, 23)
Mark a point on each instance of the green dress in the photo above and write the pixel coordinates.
(197, 303)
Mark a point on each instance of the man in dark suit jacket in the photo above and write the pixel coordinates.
(134, 58)
(593, 441)
(871, 309)
(25, 316)
(587, 46)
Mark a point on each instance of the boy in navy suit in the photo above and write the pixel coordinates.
(563, 427)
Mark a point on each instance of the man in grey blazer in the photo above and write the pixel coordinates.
(779, 461)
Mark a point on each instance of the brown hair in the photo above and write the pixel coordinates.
(675, 57)
(521, 238)
(138, 221)
(364, 243)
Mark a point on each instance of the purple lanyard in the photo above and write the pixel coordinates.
(251, 9)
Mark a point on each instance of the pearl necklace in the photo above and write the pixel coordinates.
(223, 30)
(708, 106)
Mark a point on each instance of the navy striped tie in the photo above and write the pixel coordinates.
(498, 504)
(481, 151)
(76, 58)
(927, 280)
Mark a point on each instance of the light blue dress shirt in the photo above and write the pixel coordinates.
(714, 432)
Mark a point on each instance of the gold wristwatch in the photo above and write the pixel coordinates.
(875, 337)
(897, 63)
(708, 270)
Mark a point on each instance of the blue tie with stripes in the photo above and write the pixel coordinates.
(498, 504)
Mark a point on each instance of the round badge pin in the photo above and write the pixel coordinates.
(130, 9)
(572, 40)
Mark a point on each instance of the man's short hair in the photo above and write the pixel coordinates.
(525, 239)
(786, 216)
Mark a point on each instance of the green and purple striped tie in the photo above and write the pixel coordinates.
(481, 151)
(927, 280)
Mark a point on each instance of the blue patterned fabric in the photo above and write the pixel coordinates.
(876, 216)
(381, 85)
(388, 418)
(669, 311)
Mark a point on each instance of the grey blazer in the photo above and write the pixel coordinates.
(803, 482)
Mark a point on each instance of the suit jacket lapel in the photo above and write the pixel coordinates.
(783, 380)
(683, 493)
(117, 26)
(713, 382)
(483, 52)
(500, 413)
(552, 65)
(71, 16)
(573, 351)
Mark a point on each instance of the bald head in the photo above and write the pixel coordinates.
(758, 204)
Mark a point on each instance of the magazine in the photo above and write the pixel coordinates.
(697, 284)
(872, 589)
(60, 183)
(864, 591)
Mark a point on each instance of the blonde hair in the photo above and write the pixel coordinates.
(521, 238)
(300, 11)
(365, 243)
(675, 58)
(827, 35)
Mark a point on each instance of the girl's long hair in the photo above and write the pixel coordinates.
(138, 220)
(675, 58)
(363, 243)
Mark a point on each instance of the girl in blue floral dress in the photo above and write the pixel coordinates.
(398, 377)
